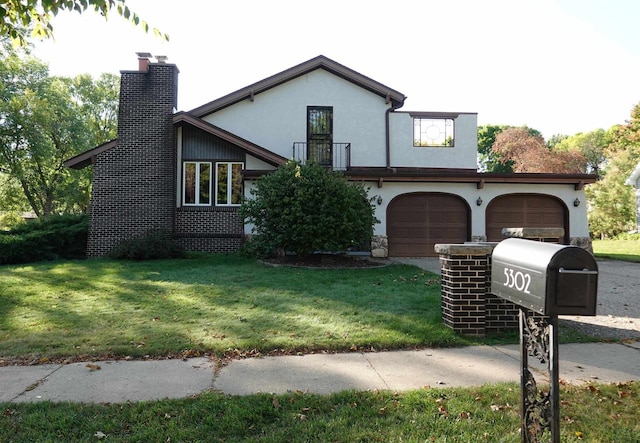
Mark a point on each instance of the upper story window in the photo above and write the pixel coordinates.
(197, 183)
(229, 183)
(433, 132)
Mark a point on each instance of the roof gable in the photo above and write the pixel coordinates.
(320, 62)
(251, 148)
(634, 177)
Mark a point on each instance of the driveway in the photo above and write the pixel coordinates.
(618, 311)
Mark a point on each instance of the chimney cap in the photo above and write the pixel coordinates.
(146, 55)
(162, 58)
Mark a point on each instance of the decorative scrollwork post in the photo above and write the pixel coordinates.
(540, 410)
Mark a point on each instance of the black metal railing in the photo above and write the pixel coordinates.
(336, 156)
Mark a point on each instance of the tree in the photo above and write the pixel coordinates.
(19, 18)
(489, 160)
(612, 203)
(306, 208)
(530, 153)
(44, 121)
(592, 145)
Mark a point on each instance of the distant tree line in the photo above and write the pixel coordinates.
(611, 154)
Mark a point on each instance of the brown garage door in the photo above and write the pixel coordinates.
(416, 222)
(525, 210)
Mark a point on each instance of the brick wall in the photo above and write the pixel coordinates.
(468, 306)
(211, 229)
(134, 183)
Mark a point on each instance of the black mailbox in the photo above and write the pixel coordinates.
(546, 278)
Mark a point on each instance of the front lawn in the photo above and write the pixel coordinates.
(220, 304)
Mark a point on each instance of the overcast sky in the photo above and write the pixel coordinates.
(559, 66)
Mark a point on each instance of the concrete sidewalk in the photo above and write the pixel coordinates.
(122, 381)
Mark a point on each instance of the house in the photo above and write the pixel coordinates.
(186, 172)
(634, 180)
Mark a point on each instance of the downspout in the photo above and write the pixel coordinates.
(386, 127)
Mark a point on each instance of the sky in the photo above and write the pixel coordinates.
(558, 66)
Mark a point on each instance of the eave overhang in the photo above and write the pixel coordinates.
(88, 158)
(480, 179)
(391, 96)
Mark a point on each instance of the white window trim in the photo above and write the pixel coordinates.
(229, 182)
(197, 182)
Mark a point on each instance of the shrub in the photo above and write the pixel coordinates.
(50, 239)
(153, 245)
(307, 208)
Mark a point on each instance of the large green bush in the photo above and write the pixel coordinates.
(153, 245)
(53, 238)
(307, 208)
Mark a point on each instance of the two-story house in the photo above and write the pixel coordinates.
(187, 172)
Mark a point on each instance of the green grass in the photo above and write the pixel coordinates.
(217, 304)
(592, 413)
(627, 250)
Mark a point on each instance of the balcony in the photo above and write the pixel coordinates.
(336, 156)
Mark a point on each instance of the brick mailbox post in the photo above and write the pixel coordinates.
(468, 306)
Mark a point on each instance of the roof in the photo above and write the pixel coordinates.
(89, 157)
(251, 148)
(320, 62)
(634, 177)
(381, 175)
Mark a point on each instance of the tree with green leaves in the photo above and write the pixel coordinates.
(592, 145)
(20, 19)
(44, 121)
(490, 160)
(612, 203)
(306, 208)
(530, 153)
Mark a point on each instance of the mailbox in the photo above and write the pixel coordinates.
(546, 278)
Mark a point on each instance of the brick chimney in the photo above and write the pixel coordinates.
(134, 184)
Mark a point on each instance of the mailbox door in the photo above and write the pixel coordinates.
(574, 274)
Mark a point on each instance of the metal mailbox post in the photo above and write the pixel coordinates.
(545, 280)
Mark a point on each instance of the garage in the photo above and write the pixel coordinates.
(525, 210)
(417, 221)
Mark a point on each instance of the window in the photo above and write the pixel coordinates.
(228, 184)
(197, 183)
(433, 132)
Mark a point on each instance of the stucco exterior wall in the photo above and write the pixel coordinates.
(463, 155)
(578, 224)
(278, 117)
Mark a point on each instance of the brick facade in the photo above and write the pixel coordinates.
(211, 229)
(134, 183)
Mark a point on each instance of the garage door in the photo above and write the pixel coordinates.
(525, 210)
(416, 222)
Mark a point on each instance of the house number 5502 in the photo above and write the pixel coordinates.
(518, 280)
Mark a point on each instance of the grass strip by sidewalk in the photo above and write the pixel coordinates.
(593, 413)
(627, 250)
(218, 304)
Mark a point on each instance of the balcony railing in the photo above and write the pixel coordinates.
(331, 155)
